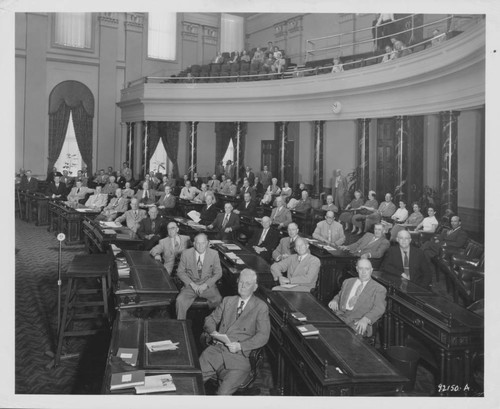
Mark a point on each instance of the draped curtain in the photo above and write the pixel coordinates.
(162, 35)
(82, 122)
(58, 125)
(153, 139)
(169, 134)
(224, 133)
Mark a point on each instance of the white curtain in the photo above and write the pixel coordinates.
(70, 158)
(232, 36)
(162, 38)
(73, 29)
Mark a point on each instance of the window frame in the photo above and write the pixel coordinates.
(90, 50)
(177, 40)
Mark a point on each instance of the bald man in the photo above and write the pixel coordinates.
(170, 247)
(329, 230)
(225, 223)
(264, 240)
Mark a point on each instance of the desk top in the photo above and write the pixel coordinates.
(89, 264)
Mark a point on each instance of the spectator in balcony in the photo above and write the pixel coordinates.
(437, 37)
(279, 63)
(236, 58)
(276, 50)
(389, 55)
(401, 50)
(384, 27)
(337, 66)
(219, 59)
(270, 46)
(268, 60)
(258, 56)
(245, 56)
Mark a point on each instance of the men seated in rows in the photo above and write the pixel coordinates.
(199, 270)
(301, 269)
(118, 204)
(166, 202)
(222, 185)
(196, 182)
(56, 189)
(304, 204)
(202, 194)
(151, 229)
(407, 261)
(361, 301)
(96, 201)
(264, 240)
(247, 207)
(128, 192)
(384, 212)
(153, 180)
(188, 192)
(133, 216)
(244, 318)
(146, 195)
(166, 181)
(111, 186)
(280, 215)
(209, 211)
(229, 188)
(225, 223)
(147, 178)
(286, 246)
(246, 188)
(214, 183)
(77, 193)
(28, 182)
(329, 230)
(330, 205)
(371, 245)
(249, 175)
(170, 247)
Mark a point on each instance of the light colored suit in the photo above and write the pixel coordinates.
(115, 206)
(151, 198)
(133, 220)
(284, 247)
(367, 244)
(188, 273)
(189, 194)
(370, 304)
(169, 251)
(213, 185)
(282, 215)
(337, 232)
(251, 329)
(339, 191)
(168, 202)
(74, 197)
(304, 273)
(97, 201)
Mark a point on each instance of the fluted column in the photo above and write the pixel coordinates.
(401, 157)
(449, 161)
(362, 179)
(318, 157)
(192, 143)
(129, 153)
(145, 164)
(238, 151)
(282, 147)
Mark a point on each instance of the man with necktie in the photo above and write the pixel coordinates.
(301, 269)
(225, 223)
(77, 193)
(407, 261)
(170, 247)
(118, 204)
(371, 245)
(361, 301)
(57, 189)
(188, 192)
(280, 215)
(329, 230)
(151, 229)
(199, 269)
(286, 247)
(264, 240)
(166, 202)
(132, 216)
(451, 240)
(97, 201)
(244, 319)
(28, 182)
(146, 195)
(247, 207)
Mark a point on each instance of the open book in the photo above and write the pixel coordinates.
(156, 383)
(194, 215)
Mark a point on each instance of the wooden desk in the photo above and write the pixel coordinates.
(185, 206)
(64, 219)
(182, 363)
(98, 241)
(452, 334)
(38, 208)
(303, 220)
(190, 228)
(221, 199)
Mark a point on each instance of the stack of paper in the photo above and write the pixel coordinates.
(128, 355)
(115, 249)
(156, 383)
(123, 380)
(212, 242)
(108, 231)
(231, 246)
(194, 215)
(162, 346)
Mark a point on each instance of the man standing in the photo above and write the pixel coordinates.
(286, 247)
(229, 170)
(118, 204)
(170, 247)
(151, 229)
(302, 269)
(371, 245)
(361, 301)
(249, 175)
(199, 269)
(329, 230)
(28, 183)
(132, 216)
(339, 189)
(225, 223)
(407, 261)
(244, 319)
(265, 240)
(280, 215)
(265, 178)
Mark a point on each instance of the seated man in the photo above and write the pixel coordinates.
(188, 192)
(118, 204)
(120, 179)
(209, 212)
(384, 212)
(361, 301)
(151, 229)
(264, 240)
(128, 192)
(222, 184)
(280, 215)
(225, 223)
(301, 269)
(66, 179)
(330, 205)
(407, 261)
(244, 318)
(28, 182)
(286, 247)
(199, 269)
(196, 182)
(202, 194)
(166, 202)
(170, 247)
(77, 193)
(214, 183)
(110, 187)
(246, 207)
(246, 188)
(304, 204)
(133, 216)
(371, 245)
(146, 196)
(97, 201)
(56, 189)
(229, 188)
(329, 230)
(101, 178)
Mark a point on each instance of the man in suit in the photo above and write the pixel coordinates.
(371, 245)
(330, 205)
(111, 186)
(209, 212)
(97, 201)
(214, 183)
(132, 216)
(264, 240)
(128, 192)
(249, 175)
(28, 182)
(196, 182)
(225, 223)
(146, 196)
(127, 172)
(265, 178)
(101, 178)
(170, 247)
(301, 269)
(188, 192)
(151, 229)
(246, 188)
(384, 212)
(407, 261)
(304, 204)
(120, 179)
(280, 215)
(244, 318)
(451, 240)
(199, 269)
(56, 189)
(258, 187)
(66, 179)
(329, 230)
(339, 189)
(286, 246)
(166, 202)
(51, 174)
(77, 193)
(361, 301)
(246, 207)
(118, 204)
(229, 170)
(228, 188)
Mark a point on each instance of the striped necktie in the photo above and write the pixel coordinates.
(240, 309)
(352, 301)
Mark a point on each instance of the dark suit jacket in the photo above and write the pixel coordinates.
(420, 272)
(259, 189)
(244, 190)
(145, 227)
(250, 177)
(52, 189)
(32, 185)
(151, 198)
(270, 242)
(456, 238)
(121, 182)
(247, 211)
(233, 223)
(251, 329)
(303, 206)
(169, 202)
(208, 216)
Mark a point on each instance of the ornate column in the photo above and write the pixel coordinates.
(145, 164)
(129, 153)
(401, 157)
(192, 143)
(362, 171)
(238, 159)
(449, 161)
(282, 143)
(318, 158)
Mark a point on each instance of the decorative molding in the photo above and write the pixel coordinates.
(210, 35)
(190, 31)
(134, 22)
(280, 29)
(295, 24)
(108, 19)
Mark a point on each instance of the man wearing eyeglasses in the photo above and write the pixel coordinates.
(329, 230)
(170, 247)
